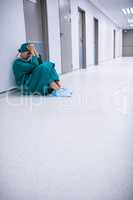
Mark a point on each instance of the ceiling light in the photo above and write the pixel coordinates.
(131, 25)
(33, 1)
(124, 11)
(130, 20)
(128, 11)
(131, 9)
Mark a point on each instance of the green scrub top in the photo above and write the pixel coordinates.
(34, 76)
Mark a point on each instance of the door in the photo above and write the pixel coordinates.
(65, 35)
(128, 43)
(96, 41)
(35, 14)
(114, 44)
(82, 39)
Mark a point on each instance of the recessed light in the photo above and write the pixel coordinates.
(128, 11)
(124, 11)
(33, 1)
(130, 20)
(131, 25)
(131, 10)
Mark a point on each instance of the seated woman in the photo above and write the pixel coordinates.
(34, 76)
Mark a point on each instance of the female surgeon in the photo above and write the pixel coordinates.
(35, 76)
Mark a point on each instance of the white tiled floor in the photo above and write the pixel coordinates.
(77, 148)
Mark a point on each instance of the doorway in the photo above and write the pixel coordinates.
(65, 35)
(35, 14)
(127, 46)
(82, 38)
(114, 43)
(96, 41)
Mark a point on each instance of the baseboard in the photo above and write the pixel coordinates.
(107, 60)
(9, 91)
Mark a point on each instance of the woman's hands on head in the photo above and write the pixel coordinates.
(32, 50)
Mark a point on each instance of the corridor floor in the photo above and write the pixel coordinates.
(77, 148)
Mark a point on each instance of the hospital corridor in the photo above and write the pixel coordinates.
(66, 100)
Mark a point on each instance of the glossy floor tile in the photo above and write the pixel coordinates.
(77, 148)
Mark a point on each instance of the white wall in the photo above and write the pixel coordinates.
(12, 34)
(54, 33)
(105, 34)
(119, 43)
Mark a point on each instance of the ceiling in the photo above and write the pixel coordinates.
(113, 9)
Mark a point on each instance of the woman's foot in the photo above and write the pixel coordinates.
(58, 83)
(61, 93)
(54, 86)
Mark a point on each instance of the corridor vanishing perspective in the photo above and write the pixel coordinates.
(66, 100)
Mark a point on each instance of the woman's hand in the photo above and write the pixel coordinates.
(32, 50)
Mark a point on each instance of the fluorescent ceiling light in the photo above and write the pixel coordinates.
(130, 20)
(131, 9)
(128, 11)
(124, 11)
(33, 1)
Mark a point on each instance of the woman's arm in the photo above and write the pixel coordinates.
(36, 59)
(25, 67)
